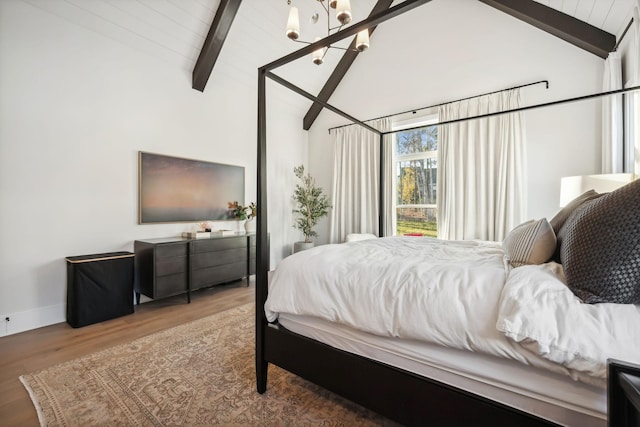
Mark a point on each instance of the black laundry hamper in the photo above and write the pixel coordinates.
(99, 287)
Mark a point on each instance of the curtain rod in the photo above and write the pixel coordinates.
(449, 102)
(517, 110)
(624, 33)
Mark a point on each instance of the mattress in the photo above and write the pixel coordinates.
(549, 395)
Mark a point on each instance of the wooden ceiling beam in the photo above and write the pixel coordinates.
(213, 43)
(568, 28)
(340, 71)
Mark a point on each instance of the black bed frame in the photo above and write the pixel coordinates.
(399, 395)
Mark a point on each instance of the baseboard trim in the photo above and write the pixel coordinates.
(22, 321)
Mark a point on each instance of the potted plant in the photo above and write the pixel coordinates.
(246, 214)
(311, 205)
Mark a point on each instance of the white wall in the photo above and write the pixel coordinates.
(75, 109)
(447, 50)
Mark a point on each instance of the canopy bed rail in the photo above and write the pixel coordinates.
(393, 392)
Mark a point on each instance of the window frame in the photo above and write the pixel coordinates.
(424, 120)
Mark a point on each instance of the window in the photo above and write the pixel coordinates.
(416, 157)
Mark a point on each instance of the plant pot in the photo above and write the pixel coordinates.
(301, 246)
(250, 225)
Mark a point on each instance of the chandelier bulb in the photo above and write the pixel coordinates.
(318, 55)
(343, 11)
(293, 24)
(362, 40)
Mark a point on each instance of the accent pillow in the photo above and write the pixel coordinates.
(558, 221)
(532, 242)
(563, 214)
(600, 252)
(356, 237)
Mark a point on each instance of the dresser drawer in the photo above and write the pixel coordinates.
(165, 266)
(218, 274)
(208, 259)
(171, 284)
(171, 250)
(214, 245)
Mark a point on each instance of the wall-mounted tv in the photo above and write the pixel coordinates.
(173, 189)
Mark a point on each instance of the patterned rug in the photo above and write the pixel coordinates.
(198, 374)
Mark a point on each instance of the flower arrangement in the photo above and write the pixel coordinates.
(243, 212)
(206, 226)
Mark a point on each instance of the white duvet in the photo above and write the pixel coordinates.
(458, 294)
(539, 311)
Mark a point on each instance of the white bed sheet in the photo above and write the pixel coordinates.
(445, 293)
(549, 395)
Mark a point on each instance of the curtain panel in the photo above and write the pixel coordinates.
(612, 136)
(633, 144)
(481, 169)
(355, 180)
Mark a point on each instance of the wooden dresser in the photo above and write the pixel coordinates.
(171, 266)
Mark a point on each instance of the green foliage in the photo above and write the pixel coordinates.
(427, 228)
(311, 204)
(416, 183)
(243, 212)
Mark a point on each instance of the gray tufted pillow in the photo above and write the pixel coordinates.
(600, 250)
(558, 221)
(563, 214)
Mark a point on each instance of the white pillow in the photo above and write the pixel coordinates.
(532, 242)
(354, 237)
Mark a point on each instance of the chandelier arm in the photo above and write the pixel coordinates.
(345, 48)
(328, 47)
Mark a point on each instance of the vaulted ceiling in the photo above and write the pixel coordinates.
(175, 31)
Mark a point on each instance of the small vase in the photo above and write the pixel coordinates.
(250, 225)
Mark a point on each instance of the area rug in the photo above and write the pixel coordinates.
(198, 374)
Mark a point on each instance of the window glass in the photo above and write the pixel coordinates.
(416, 178)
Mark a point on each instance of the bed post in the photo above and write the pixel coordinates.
(262, 254)
(381, 188)
(262, 243)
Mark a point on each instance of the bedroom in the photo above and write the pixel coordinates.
(83, 96)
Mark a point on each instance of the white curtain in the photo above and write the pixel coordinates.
(481, 169)
(633, 143)
(612, 137)
(355, 180)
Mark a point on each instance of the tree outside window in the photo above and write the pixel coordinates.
(416, 181)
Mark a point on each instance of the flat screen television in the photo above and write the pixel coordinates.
(173, 189)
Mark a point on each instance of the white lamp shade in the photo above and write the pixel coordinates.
(362, 40)
(573, 186)
(293, 24)
(318, 55)
(343, 11)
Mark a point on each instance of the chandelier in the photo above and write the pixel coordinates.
(342, 15)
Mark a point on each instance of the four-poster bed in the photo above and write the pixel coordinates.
(395, 392)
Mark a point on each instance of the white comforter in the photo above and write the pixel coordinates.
(445, 292)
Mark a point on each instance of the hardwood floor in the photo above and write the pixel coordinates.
(37, 349)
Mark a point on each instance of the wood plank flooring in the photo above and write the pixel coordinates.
(33, 350)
